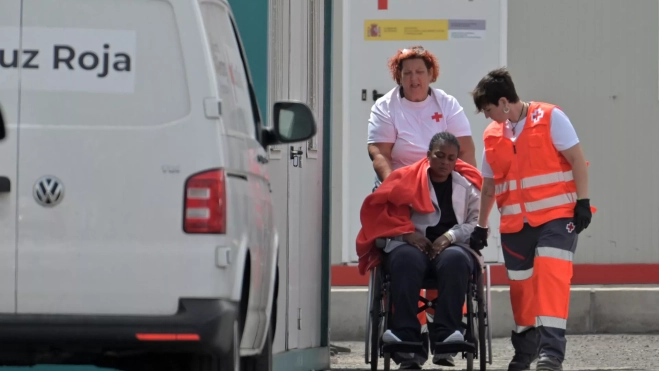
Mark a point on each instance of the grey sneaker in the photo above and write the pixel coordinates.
(548, 363)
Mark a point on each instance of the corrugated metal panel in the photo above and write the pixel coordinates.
(597, 59)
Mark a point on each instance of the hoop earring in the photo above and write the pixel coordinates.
(506, 110)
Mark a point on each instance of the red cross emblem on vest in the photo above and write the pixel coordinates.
(537, 115)
(437, 116)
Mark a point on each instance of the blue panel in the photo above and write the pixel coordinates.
(252, 20)
(302, 360)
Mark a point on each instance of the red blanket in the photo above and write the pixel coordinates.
(386, 212)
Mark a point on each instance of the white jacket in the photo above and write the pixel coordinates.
(466, 205)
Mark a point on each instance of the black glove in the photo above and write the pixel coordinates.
(582, 215)
(478, 238)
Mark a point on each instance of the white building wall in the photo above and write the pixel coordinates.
(597, 59)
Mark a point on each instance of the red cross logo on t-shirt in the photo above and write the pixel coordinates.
(437, 116)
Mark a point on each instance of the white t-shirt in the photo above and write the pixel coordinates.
(562, 134)
(411, 125)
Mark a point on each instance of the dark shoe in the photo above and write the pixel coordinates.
(548, 363)
(520, 362)
(446, 361)
(409, 365)
(526, 345)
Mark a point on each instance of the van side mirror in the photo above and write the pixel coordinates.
(293, 122)
(3, 133)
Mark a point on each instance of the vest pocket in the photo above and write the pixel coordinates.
(497, 164)
(537, 157)
(535, 140)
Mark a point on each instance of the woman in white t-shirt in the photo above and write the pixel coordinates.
(403, 120)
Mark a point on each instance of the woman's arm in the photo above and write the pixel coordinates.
(575, 157)
(381, 138)
(458, 124)
(380, 154)
(467, 150)
(487, 201)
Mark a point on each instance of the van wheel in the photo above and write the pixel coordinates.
(203, 363)
(211, 363)
(232, 361)
(262, 362)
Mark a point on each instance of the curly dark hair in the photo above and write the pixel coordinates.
(396, 61)
(443, 137)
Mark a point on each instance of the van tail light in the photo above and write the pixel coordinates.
(205, 203)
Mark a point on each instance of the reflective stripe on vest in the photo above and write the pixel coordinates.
(566, 198)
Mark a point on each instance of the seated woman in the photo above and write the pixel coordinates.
(438, 246)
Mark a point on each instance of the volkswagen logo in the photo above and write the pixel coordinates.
(48, 191)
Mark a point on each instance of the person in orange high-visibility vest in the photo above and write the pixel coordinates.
(534, 167)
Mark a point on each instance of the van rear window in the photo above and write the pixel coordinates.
(102, 63)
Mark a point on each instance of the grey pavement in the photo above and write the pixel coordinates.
(593, 310)
(584, 352)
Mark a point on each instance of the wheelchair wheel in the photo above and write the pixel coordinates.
(376, 326)
(471, 325)
(482, 352)
(386, 311)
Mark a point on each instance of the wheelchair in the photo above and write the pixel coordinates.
(478, 337)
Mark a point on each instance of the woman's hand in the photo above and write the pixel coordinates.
(438, 246)
(418, 240)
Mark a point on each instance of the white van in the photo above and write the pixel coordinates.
(136, 222)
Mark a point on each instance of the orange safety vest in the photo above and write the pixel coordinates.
(532, 178)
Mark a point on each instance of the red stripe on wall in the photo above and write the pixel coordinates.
(383, 4)
(584, 274)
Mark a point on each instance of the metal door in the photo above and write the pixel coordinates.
(284, 192)
(367, 75)
(296, 172)
(10, 65)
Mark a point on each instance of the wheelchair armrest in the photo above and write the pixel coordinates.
(381, 243)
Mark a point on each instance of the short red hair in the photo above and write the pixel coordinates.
(417, 51)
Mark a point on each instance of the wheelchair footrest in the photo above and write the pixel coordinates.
(451, 347)
(402, 347)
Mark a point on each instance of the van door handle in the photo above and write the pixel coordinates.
(5, 185)
(296, 156)
(261, 159)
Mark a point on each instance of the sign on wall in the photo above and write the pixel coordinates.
(424, 29)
